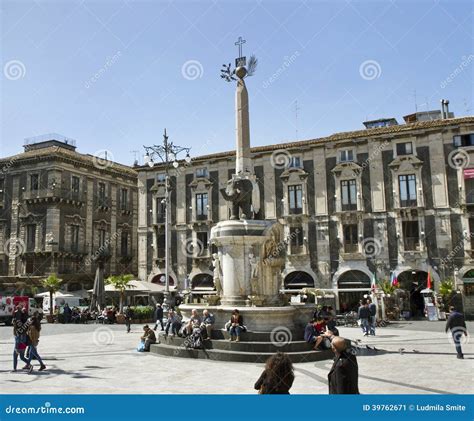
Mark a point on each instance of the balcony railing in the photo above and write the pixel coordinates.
(349, 207)
(411, 244)
(351, 248)
(202, 217)
(410, 203)
(295, 211)
(56, 193)
(296, 249)
(103, 202)
(160, 218)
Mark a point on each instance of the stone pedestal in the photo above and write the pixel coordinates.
(247, 268)
(257, 319)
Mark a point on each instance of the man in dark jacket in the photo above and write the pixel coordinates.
(159, 317)
(373, 313)
(364, 316)
(128, 318)
(343, 378)
(457, 325)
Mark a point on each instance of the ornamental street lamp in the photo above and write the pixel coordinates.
(166, 154)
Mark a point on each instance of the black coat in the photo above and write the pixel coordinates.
(455, 320)
(343, 378)
(159, 313)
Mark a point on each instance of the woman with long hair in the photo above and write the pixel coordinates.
(34, 334)
(278, 376)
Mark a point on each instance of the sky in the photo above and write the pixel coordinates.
(112, 74)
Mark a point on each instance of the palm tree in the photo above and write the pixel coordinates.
(52, 284)
(120, 283)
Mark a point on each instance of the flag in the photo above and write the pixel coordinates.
(428, 281)
(373, 286)
(393, 279)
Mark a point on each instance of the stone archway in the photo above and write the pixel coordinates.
(160, 278)
(298, 279)
(352, 284)
(202, 281)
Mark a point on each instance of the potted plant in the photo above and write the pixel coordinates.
(52, 284)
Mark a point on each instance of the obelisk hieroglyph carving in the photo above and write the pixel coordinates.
(243, 162)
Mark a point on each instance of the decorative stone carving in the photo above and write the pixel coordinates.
(217, 274)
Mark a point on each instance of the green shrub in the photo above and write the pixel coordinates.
(143, 312)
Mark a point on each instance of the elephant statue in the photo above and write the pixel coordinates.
(239, 192)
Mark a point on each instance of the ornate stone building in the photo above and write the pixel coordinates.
(393, 198)
(60, 210)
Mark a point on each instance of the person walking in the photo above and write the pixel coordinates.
(343, 378)
(67, 313)
(33, 335)
(373, 316)
(159, 317)
(278, 376)
(457, 325)
(364, 315)
(128, 318)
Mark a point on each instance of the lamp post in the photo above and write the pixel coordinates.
(166, 154)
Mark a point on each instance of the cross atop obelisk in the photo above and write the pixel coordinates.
(240, 61)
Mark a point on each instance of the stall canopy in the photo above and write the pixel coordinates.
(139, 286)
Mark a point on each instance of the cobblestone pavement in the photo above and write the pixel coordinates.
(102, 359)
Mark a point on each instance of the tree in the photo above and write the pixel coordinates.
(120, 283)
(52, 284)
(387, 287)
(447, 292)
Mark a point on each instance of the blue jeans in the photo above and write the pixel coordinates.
(457, 343)
(17, 353)
(364, 324)
(372, 324)
(235, 330)
(33, 353)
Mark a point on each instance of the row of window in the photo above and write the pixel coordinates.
(74, 231)
(407, 189)
(410, 231)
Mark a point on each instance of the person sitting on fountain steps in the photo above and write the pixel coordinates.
(313, 334)
(236, 326)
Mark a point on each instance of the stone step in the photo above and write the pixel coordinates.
(260, 346)
(235, 356)
(278, 335)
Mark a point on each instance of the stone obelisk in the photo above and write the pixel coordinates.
(243, 163)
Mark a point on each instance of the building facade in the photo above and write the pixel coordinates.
(396, 199)
(60, 210)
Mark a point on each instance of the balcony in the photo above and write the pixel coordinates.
(296, 249)
(351, 248)
(160, 218)
(125, 209)
(409, 203)
(349, 207)
(295, 211)
(411, 244)
(103, 202)
(54, 195)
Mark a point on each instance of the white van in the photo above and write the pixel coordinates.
(60, 301)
